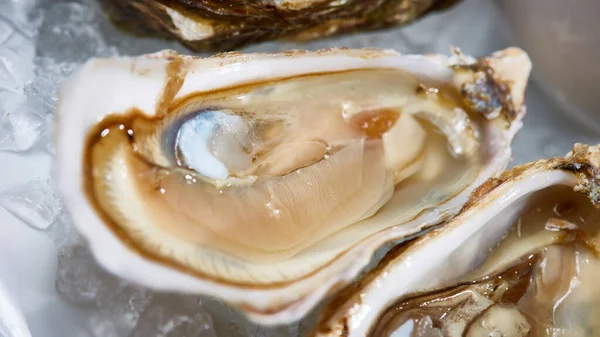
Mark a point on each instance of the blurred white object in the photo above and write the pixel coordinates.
(563, 42)
(12, 322)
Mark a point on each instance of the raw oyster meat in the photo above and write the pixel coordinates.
(269, 180)
(521, 259)
(224, 25)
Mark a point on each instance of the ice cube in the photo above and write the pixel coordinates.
(49, 76)
(174, 316)
(105, 326)
(63, 234)
(38, 110)
(19, 124)
(22, 14)
(36, 203)
(24, 122)
(230, 322)
(28, 87)
(125, 309)
(79, 279)
(16, 57)
(119, 315)
(70, 32)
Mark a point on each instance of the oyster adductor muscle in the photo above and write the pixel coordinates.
(223, 25)
(521, 259)
(269, 179)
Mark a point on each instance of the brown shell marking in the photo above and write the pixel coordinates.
(585, 164)
(488, 94)
(176, 72)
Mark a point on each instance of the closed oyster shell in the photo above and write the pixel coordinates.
(401, 141)
(225, 25)
(521, 257)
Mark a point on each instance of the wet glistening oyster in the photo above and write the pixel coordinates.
(269, 180)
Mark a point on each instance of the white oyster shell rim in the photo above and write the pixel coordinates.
(268, 305)
(475, 229)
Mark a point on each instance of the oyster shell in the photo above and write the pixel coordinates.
(520, 259)
(224, 25)
(269, 180)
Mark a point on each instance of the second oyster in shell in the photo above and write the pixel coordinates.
(521, 259)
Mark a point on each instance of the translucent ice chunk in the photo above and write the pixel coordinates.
(16, 56)
(103, 326)
(36, 203)
(49, 76)
(23, 123)
(70, 32)
(28, 88)
(109, 322)
(20, 124)
(121, 308)
(78, 278)
(27, 119)
(63, 234)
(174, 316)
(21, 14)
(232, 323)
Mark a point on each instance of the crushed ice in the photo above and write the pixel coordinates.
(36, 203)
(19, 124)
(35, 58)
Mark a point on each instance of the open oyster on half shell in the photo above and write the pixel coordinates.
(269, 180)
(226, 24)
(521, 259)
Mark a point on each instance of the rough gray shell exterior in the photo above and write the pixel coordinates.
(230, 24)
